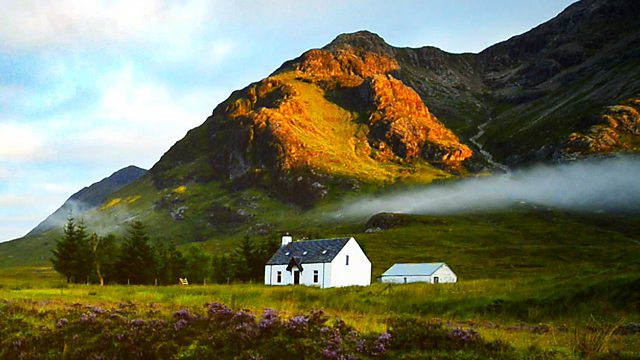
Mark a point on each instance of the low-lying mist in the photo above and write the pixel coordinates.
(602, 185)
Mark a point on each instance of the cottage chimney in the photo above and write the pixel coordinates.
(286, 240)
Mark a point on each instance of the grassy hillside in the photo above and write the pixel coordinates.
(514, 243)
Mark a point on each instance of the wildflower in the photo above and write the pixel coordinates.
(246, 330)
(219, 311)
(269, 319)
(244, 316)
(87, 317)
(182, 314)
(463, 336)
(97, 309)
(329, 353)
(384, 337)
(61, 323)
(180, 324)
(297, 324)
(378, 348)
(380, 343)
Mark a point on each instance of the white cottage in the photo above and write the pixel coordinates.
(324, 263)
(425, 272)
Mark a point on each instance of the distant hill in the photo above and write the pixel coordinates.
(89, 198)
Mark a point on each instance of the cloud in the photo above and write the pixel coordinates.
(19, 142)
(590, 185)
(44, 24)
(134, 120)
(17, 200)
(4, 173)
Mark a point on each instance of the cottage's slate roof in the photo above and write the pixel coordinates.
(309, 251)
(419, 269)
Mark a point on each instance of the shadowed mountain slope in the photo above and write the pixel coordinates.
(89, 198)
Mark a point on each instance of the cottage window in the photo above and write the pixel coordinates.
(315, 276)
(279, 277)
(347, 259)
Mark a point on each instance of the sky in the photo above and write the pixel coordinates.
(88, 87)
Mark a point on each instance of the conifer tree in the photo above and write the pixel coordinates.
(137, 261)
(172, 264)
(72, 255)
(104, 256)
(224, 268)
(198, 264)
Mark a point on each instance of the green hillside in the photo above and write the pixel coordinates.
(518, 242)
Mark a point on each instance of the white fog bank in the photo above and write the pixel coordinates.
(611, 184)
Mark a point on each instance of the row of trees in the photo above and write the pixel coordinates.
(82, 257)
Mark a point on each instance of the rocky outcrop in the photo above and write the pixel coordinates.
(617, 130)
(401, 124)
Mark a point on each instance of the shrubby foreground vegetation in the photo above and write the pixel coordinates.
(46, 317)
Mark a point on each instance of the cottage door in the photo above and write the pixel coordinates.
(296, 277)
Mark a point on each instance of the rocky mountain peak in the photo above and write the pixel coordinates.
(335, 112)
(363, 41)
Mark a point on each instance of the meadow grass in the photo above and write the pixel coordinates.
(542, 312)
(564, 283)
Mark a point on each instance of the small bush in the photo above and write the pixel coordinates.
(413, 337)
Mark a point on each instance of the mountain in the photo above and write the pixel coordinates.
(359, 116)
(531, 92)
(89, 198)
(333, 114)
(355, 109)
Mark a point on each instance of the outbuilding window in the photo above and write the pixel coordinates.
(347, 260)
(279, 277)
(315, 276)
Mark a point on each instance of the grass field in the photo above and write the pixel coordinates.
(543, 283)
(566, 285)
(542, 312)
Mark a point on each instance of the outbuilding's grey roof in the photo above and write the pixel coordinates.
(419, 269)
(309, 251)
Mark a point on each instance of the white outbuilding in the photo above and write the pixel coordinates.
(323, 263)
(433, 273)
